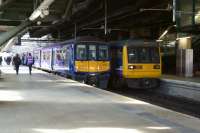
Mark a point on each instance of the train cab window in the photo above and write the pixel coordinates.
(81, 52)
(154, 52)
(92, 52)
(143, 55)
(103, 52)
(132, 55)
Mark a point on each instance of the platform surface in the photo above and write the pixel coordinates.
(45, 103)
(181, 78)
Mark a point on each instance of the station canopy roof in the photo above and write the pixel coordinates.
(62, 15)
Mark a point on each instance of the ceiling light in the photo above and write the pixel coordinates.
(42, 10)
(35, 15)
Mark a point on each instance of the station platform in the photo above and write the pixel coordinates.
(46, 103)
(177, 86)
(179, 78)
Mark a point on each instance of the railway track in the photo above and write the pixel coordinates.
(178, 104)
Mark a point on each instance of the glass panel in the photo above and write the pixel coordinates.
(48, 55)
(143, 55)
(154, 53)
(60, 56)
(186, 13)
(92, 52)
(68, 56)
(81, 52)
(132, 55)
(44, 55)
(36, 55)
(103, 52)
(197, 12)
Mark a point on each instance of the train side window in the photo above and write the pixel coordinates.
(92, 52)
(103, 52)
(81, 52)
(68, 56)
(44, 55)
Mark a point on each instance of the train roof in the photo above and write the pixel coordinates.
(84, 39)
(87, 39)
(134, 42)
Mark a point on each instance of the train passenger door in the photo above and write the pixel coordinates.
(53, 58)
(103, 57)
(92, 59)
(81, 63)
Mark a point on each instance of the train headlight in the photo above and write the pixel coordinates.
(156, 66)
(131, 67)
(134, 67)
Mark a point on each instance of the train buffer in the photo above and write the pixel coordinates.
(46, 103)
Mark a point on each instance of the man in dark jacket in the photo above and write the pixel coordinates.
(17, 62)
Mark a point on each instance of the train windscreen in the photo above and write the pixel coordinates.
(92, 52)
(143, 55)
(81, 52)
(103, 53)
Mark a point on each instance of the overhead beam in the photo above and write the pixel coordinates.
(6, 36)
(5, 4)
(65, 16)
(67, 10)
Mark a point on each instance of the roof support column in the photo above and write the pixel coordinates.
(106, 17)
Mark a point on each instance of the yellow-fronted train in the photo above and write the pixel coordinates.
(85, 59)
(135, 64)
(131, 63)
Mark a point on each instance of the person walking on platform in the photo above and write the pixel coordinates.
(1, 59)
(17, 62)
(30, 62)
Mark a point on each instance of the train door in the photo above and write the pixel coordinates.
(53, 58)
(103, 57)
(81, 63)
(92, 59)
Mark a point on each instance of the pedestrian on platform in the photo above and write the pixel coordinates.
(1, 59)
(17, 62)
(30, 62)
(9, 59)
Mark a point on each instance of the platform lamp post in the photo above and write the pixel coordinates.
(75, 31)
(106, 17)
